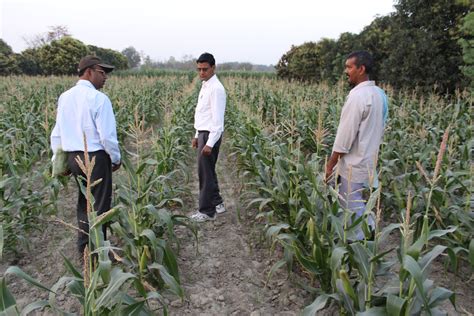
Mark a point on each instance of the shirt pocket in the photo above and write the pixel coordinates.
(204, 105)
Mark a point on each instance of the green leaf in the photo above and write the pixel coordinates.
(150, 235)
(372, 200)
(18, 272)
(382, 254)
(169, 280)
(6, 298)
(336, 258)
(274, 230)
(169, 260)
(1, 242)
(415, 249)
(361, 256)
(441, 232)
(346, 298)
(439, 295)
(347, 286)
(134, 309)
(263, 202)
(374, 311)
(318, 304)
(70, 267)
(54, 289)
(275, 267)
(105, 217)
(471, 252)
(430, 256)
(10, 311)
(395, 305)
(34, 306)
(117, 279)
(76, 287)
(387, 230)
(306, 262)
(414, 269)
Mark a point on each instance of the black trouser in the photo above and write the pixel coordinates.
(102, 192)
(209, 196)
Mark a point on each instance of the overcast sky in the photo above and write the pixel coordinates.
(253, 31)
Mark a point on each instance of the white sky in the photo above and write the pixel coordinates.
(247, 30)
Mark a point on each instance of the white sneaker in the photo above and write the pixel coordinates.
(201, 217)
(220, 208)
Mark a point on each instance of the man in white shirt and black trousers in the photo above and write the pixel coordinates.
(83, 109)
(209, 125)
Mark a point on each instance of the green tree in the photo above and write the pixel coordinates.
(109, 56)
(375, 39)
(62, 56)
(133, 56)
(347, 43)
(424, 48)
(467, 44)
(8, 63)
(5, 49)
(29, 62)
(310, 62)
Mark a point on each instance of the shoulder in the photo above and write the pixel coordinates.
(96, 98)
(216, 84)
(364, 92)
(94, 95)
(101, 96)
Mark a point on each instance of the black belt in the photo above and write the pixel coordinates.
(203, 132)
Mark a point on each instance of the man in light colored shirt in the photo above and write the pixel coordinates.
(358, 138)
(209, 125)
(84, 110)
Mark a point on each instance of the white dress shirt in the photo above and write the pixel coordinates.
(360, 132)
(209, 115)
(83, 109)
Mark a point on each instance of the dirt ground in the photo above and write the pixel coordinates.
(226, 273)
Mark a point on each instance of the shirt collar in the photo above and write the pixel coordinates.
(210, 80)
(85, 83)
(366, 83)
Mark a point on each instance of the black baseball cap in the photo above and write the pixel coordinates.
(89, 61)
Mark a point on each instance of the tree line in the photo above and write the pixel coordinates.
(188, 63)
(58, 57)
(423, 44)
(57, 53)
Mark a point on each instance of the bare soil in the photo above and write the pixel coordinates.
(226, 272)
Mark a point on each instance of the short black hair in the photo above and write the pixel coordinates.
(363, 57)
(81, 72)
(206, 58)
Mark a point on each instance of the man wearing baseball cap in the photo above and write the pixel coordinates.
(84, 110)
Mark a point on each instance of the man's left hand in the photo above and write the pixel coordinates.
(206, 150)
(328, 174)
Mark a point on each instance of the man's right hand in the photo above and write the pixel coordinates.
(116, 167)
(66, 173)
(194, 143)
